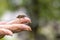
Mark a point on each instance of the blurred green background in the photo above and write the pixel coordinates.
(45, 16)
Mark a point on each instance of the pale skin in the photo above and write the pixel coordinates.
(14, 26)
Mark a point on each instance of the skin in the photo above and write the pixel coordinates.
(4, 32)
(15, 26)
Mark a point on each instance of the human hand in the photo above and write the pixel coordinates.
(16, 25)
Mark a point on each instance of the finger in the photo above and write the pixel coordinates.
(25, 27)
(3, 23)
(16, 27)
(4, 32)
(20, 21)
(25, 20)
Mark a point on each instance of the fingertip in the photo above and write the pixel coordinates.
(30, 29)
(7, 32)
